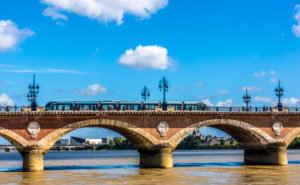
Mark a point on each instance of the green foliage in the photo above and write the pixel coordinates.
(222, 142)
(295, 144)
(190, 142)
(126, 145)
(118, 144)
(111, 145)
(118, 141)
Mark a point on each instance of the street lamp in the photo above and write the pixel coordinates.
(163, 86)
(279, 93)
(33, 91)
(247, 99)
(145, 93)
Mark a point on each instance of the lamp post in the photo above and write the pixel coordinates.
(33, 91)
(279, 93)
(247, 99)
(145, 93)
(163, 86)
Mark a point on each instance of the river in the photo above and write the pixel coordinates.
(121, 167)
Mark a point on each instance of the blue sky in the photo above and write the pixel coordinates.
(209, 50)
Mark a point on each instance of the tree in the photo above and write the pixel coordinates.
(190, 142)
(222, 142)
(118, 142)
(110, 145)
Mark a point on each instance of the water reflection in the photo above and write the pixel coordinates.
(264, 175)
(29, 178)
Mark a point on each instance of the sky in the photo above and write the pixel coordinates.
(209, 50)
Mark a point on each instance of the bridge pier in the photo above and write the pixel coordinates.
(33, 159)
(266, 156)
(156, 158)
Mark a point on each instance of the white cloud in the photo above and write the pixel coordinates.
(201, 84)
(251, 88)
(263, 99)
(11, 35)
(6, 100)
(291, 101)
(52, 12)
(92, 90)
(226, 103)
(273, 80)
(64, 71)
(272, 73)
(223, 92)
(60, 23)
(259, 74)
(207, 102)
(104, 10)
(146, 57)
(296, 27)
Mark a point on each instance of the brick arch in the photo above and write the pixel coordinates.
(137, 136)
(243, 132)
(289, 138)
(15, 139)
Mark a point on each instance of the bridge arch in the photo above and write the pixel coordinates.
(245, 133)
(137, 136)
(289, 138)
(15, 139)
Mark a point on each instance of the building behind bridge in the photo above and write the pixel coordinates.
(211, 140)
(62, 142)
(93, 141)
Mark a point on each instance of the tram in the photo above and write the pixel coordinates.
(120, 105)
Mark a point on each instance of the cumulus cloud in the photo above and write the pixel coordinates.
(6, 100)
(103, 10)
(251, 88)
(11, 35)
(207, 102)
(226, 103)
(52, 12)
(263, 99)
(92, 90)
(259, 74)
(291, 101)
(296, 27)
(146, 57)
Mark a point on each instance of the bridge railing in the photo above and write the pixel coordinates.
(11, 108)
(240, 109)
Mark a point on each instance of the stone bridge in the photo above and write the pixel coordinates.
(263, 135)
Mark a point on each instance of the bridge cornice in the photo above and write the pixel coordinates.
(104, 113)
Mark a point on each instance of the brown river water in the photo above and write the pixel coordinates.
(121, 167)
